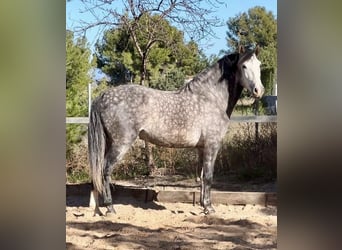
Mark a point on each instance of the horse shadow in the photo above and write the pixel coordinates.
(205, 230)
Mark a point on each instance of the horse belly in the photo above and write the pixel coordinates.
(173, 138)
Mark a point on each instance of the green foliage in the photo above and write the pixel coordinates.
(77, 75)
(261, 28)
(170, 80)
(78, 66)
(164, 47)
(113, 57)
(77, 170)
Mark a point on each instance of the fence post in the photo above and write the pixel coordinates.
(256, 112)
(89, 99)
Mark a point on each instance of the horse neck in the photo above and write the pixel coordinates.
(209, 84)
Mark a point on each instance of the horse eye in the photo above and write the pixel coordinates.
(244, 67)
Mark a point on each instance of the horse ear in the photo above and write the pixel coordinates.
(241, 49)
(257, 50)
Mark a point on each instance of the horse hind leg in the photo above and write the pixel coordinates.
(94, 201)
(113, 156)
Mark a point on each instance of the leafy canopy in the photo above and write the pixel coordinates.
(256, 27)
(167, 55)
(78, 66)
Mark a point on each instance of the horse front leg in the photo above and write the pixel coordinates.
(199, 166)
(209, 157)
(206, 182)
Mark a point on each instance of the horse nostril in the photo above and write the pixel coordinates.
(255, 91)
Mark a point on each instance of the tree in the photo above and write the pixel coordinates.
(192, 16)
(257, 26)
(78, 66)
(165, 65)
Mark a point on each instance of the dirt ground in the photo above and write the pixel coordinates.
(156, 225)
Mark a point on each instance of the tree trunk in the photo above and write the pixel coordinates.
(143, 70)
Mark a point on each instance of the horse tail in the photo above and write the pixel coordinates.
(96, 149)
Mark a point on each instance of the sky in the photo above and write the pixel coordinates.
(211, 46)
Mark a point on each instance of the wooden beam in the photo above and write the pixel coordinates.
(220, 197)
(185, 196)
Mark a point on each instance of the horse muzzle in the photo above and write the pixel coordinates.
(258, 92)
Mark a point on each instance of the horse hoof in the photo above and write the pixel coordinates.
(209, 210)
(110, 209)
(110, 214)
(98, 214)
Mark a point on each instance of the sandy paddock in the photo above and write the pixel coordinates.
(157, 225)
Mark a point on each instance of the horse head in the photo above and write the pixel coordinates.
(249, 68)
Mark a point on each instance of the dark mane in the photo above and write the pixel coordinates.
(228, 66)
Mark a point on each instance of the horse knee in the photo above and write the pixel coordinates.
(208, 177)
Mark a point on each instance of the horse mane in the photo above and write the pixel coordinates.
(235, 89)
(197, 80)
(227, 65)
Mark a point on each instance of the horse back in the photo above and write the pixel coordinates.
(166, 118)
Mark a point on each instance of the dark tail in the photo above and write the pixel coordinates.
(96, 149)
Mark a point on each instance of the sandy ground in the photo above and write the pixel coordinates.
(156, 225)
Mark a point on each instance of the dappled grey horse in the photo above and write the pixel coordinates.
(196, 116)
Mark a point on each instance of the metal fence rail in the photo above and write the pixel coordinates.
(250, 118)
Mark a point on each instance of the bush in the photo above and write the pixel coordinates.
(171, 80)
(250, 157)
(77, 164)
(241, 154)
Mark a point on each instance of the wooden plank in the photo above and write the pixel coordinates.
(175, 196)
(238, 198)
(78, 189)
(271, 199)
(138, 194)
(185, 196)
(219, 197)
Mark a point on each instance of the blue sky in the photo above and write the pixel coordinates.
(213, 45)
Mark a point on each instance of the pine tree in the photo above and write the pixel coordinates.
(78, 66)
(168, 60)
(256, 27)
